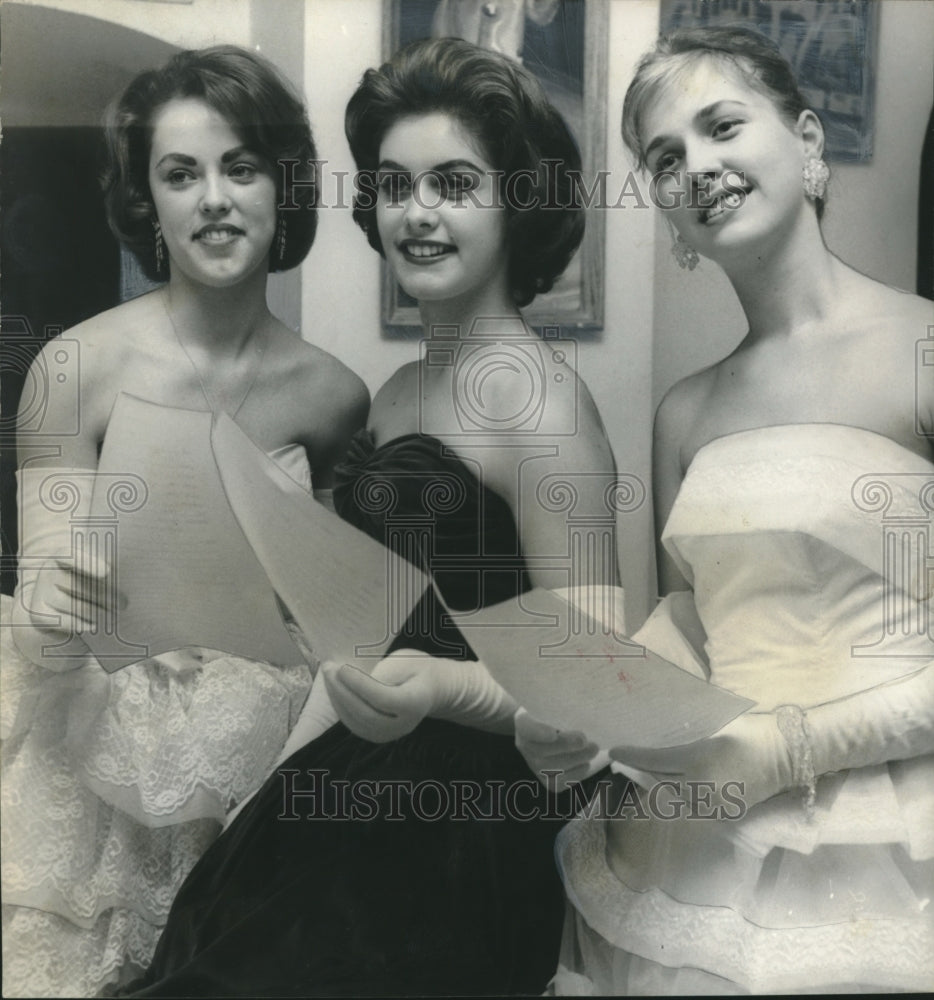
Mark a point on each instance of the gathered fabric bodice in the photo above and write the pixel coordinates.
(792, 538)
(427, 503)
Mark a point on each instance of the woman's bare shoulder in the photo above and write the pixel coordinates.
(404, 384)
(89, 362)
(101, 347)
(124, 320)
(868, 302)
(315, 370)
(683, 402)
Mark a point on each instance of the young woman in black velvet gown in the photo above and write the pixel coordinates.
(362, 888)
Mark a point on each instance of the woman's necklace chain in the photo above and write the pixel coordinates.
(217, 405)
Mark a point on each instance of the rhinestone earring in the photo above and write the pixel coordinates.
(280, 241)
(686, 256)
(160, 248)
(814, 175)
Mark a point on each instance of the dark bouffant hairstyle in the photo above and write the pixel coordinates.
(756, 58)
(259, 105)
(505, 108)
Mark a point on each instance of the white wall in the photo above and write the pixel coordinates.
(187, 25)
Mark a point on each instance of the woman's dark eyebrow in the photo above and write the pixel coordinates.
(392, 166)
(438, 168)
(704, 115)
(187, 161)
(712, 110)
(458, 165)
(190, 161)
(659, 140)
(232, 154)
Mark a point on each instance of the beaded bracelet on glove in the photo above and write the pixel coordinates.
(792, 724)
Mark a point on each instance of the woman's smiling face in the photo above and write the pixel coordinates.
(726, 163)
(214, 198)
(440, 219)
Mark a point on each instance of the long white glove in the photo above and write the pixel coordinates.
(894, 721)
(407, 686)
(54, 600)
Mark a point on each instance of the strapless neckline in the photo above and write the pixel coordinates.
(809, 430)
(785, 535)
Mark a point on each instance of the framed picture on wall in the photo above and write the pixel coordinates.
(564, 43)
(831, 45)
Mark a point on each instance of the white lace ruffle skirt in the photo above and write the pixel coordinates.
(840, 918)
(112, 787)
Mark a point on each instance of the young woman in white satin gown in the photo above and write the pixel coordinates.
(114, 784)
(779, 473)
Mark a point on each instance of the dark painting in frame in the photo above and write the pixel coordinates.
(831, 46)
(564, 43)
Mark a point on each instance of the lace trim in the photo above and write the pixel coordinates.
(893, 952)
(112, 787)
(46, 956)
(175, 745)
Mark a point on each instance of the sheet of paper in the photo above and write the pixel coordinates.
(349, 593)
(586, 678)
(183, 563)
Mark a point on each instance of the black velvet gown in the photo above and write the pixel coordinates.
(360, 888)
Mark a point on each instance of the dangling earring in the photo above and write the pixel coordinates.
(814, 174)
(683, 252)
(280, 240)
(160, 248)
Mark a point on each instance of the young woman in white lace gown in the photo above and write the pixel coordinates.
(114, 784)
(794, 484)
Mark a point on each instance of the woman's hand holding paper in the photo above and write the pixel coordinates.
(389, 703)
(65, 600)
(748, 758)
(407, 686)
(548, 750)
(79, 594)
